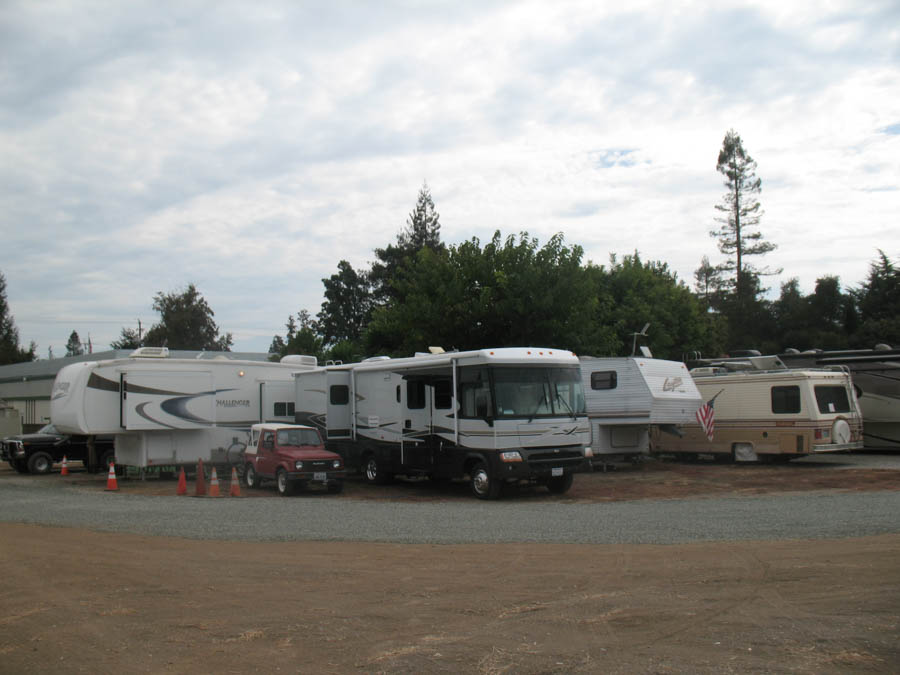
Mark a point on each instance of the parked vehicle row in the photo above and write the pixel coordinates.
(38, 452)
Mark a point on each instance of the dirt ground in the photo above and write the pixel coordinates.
(130, 603)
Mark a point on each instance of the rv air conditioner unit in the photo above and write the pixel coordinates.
(151, 353)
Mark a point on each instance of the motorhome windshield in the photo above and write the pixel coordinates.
(298, 437)
(511, 391)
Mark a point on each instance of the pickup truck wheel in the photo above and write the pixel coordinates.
(483, 486)
(40, 462)
(560, 484)
(251, 478)
(285, 486)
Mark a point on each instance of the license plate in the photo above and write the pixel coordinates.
(556, 471)
(319, 475)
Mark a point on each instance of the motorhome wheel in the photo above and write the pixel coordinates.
(560, 484)
(483, 486)
(251, 478)
(744, 452)
(285, 487)
(40, 462)
(374, 471)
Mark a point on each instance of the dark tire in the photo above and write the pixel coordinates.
(40, 462)
(559, 485)
(285, 487)
(336, 487)
(251, 478)
(483, 486)
(373, 471)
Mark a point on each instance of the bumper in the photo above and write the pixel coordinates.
(837, 447)
(541, 465)
(317, 476)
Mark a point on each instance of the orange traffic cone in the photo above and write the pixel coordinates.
(235, 490)
(111, 483)
(214, 484)
(65, 467)
(182, 484)
(201, 480)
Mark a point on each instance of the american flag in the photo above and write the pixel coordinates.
(706, 416)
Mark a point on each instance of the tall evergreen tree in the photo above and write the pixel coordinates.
(74, 346)
(10, 352)
(741, 213)
(423, 230)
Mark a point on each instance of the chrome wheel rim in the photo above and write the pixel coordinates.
(480, 481)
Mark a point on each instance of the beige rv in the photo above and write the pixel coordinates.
(765, 411)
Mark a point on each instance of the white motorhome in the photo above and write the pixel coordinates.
(166, 411)
(763, 410)
(494, 415)
(624, 396)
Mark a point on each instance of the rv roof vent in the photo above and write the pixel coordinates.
(151, 353)
(300, 359)
(882, 347)
(377, 358)
(436, 350)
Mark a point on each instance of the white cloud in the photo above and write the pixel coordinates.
(248, 149)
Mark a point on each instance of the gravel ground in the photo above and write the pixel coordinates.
(324, 517)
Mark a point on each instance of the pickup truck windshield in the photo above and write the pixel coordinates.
(297, 437)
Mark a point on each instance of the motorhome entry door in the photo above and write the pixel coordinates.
(339, 404)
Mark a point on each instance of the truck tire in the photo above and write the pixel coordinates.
(284, 485)
(251, 478)
(559, 485)
(483, 486)
(40, 462)
(373, 471)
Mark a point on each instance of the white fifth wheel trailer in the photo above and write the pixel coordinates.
(166, 411)
(624, 396)
(495, 415)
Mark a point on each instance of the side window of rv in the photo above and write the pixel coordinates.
(604, 379)
(442, 398)
(785, 400)
(831, 399)
(284, 409)
(475, 393)
(415, 394)
(339, 394)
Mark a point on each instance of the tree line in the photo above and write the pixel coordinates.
(512, 291)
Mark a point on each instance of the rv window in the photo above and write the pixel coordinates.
(475, 393)
(398, 393)
(284, 409)
(442, 398)
(415, 394)
(604, 379)
(785, 400)
(339, 394)
(832, 399)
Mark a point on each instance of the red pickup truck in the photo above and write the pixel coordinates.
(293, 456)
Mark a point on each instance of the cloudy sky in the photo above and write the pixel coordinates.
(247, 147)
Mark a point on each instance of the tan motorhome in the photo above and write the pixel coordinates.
(765, 411)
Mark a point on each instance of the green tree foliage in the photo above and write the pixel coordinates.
(347, 306)
(877, 302)
(741, 213)
(648, 292)
(129, 339)
(74, 346)
(301, 338)
(508, 293)
(186, 322)
(10, 352)
(423, 230)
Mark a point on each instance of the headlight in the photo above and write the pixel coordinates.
(298, 465)
(336, 464)
(588, 452)
(511, 456)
